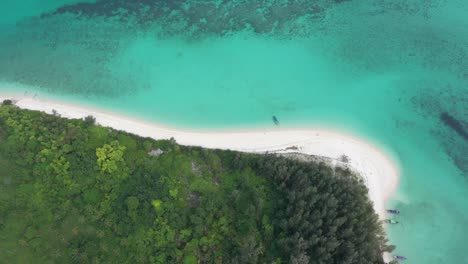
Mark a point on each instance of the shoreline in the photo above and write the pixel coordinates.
(380, 172)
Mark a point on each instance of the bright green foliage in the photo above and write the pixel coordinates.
(73, 192)
(157, 205)
(109, 156)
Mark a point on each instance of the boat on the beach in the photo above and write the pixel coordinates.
(391, 221)
(393, 211)
(398, 257)
(275, 120)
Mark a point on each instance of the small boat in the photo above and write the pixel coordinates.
(398, 257)
(391, 221)
(393, 211)
(275, 120)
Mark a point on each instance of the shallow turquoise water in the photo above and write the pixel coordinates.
(386, 70)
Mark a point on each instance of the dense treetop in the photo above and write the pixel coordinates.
(75, 192)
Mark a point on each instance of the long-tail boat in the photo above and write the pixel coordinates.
(398, 257)
(393, 211)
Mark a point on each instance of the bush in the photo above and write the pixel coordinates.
(55, 113)
(344, 158)
(7, 102)
(90, 120)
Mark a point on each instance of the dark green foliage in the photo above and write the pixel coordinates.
(7, 102)
(90, 120)
(75, 193)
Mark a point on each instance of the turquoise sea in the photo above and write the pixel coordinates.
(395, 72)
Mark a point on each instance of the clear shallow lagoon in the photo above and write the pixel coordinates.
(386, 70)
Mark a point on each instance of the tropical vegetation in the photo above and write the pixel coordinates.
(75, 192)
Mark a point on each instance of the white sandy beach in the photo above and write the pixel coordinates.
(380, 172)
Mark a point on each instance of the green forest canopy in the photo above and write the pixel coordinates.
(75, 192)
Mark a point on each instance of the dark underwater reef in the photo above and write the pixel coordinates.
(448, 107)
(454, 124)
(456, 146)
(70, 50)
(215, 17)
(65, 55)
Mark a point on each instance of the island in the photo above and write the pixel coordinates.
(76, 188)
